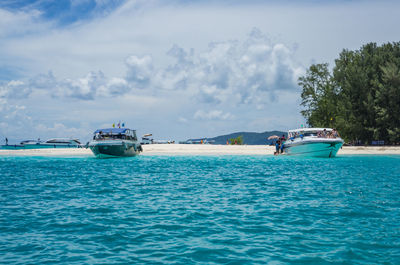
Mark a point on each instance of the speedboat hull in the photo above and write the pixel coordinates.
(115, 148)
(313, 147)
(37, 146)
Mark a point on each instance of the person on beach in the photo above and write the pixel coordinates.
(6, 141)
(277, 146)
(282, 140)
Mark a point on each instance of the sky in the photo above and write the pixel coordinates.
(176, 69)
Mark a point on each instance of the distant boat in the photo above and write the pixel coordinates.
(163, 142)
(314, 142)
(51, 143)
(146, 139)
(114, 142)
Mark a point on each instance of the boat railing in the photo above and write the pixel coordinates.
(328, 135)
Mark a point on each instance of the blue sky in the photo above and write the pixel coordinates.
(63, 12)
(177, 69)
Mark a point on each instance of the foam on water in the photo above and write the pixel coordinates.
(206, 209)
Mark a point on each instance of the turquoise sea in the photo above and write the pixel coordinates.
(200, 210)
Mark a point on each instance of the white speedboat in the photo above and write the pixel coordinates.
(146, 139)
(51, 143)
(61, 143)
(314, 142)
(113, 142)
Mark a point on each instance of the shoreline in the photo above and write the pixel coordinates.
(198, 149)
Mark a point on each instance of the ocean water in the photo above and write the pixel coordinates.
(200, 210)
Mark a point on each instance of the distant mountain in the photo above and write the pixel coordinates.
(249, 138)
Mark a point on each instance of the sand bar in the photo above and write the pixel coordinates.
(198, 149)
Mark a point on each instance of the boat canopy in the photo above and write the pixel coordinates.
(113, 130)
(310, 130)
(63, 141)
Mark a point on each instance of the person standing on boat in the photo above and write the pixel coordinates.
(335, 133)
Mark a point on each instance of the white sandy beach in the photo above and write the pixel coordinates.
(197, 149)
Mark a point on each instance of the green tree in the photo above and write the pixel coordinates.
(367, 81)
(236, 141)
(361, 97)
(319, 96)
(388, 102)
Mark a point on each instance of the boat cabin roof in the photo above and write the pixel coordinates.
(114, 130)
(310, 130)
(62, 140)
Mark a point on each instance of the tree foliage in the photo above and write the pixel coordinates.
(236, 141)
(360, 97)
(318, 96)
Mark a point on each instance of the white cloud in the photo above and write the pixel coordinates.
(212, 115)
(182, 120)
(18, 23)
(14, 118)
(15, 89)
(115, 86)
(57, 130)
(229, 71)
(89, 87)
(140, 70)
(83, 88)
(233, 72)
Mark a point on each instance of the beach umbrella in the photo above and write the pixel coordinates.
(273, 137)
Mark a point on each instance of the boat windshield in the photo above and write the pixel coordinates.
(127, 135)
(309, 134)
